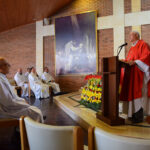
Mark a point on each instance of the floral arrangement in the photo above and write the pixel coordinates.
(91, 94)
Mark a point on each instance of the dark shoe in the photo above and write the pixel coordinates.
(130, 118)
(60, 93)
(138, 117)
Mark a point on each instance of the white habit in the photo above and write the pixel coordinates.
(47, 78)
(26, 76)
(40, 89)
(12, 106)
(21, 81)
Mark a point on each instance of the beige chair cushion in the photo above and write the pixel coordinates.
(47, 137)
(108, 141)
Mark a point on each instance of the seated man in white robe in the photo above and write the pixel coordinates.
(21, 81)
(48, 79)
(39, 89)
(27, 73)
(12, 106)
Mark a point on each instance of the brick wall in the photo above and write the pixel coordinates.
(105, 37)
(127, 31)
(105, 40)
(145, 29)
(18, 47)
(105, 44)
(145, 5)
(49, 53)
(127, 6)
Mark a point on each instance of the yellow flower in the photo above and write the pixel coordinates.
(82, 96)
(93, 101)
(98, 101)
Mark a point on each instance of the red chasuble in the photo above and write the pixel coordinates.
(132, 82)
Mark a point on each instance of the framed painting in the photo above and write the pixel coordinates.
(76, 44)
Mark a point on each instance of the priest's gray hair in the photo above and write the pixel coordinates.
(137, 34)
(2, 61)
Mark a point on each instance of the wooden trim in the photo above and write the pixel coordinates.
(51, 93)
(78, 138)
(23, 135)
(8, 123)
(29, 89)
(91, 138)
(148, 119)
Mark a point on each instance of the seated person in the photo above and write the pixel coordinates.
(27, 73)
(47, 78)
(39, 89)
(12, 106)
(21, 81)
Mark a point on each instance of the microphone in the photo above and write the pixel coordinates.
(121, 46)
(125, 44)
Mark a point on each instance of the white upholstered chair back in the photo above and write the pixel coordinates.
(105, 141)
(47, 137)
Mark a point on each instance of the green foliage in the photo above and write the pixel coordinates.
(95, 106)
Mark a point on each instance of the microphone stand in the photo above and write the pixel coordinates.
(119, 50)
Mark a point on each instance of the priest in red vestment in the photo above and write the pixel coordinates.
(136, 82)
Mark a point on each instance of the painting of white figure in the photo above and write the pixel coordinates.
(75, 38)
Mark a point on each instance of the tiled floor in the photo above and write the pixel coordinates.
(54, 116)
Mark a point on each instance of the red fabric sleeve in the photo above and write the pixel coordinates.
(145, 54)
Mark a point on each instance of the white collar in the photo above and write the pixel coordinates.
(3, 75)
(133, 44)
(46, 72)
(19, 74)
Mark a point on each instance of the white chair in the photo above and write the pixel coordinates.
(101, 140)
(37, 136)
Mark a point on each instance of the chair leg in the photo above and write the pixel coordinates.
(78, 138)
(23, 135)
(51, 93)
(29, 90)
(91, 138)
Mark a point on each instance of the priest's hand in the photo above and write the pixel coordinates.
(122, 60)
(131, 63)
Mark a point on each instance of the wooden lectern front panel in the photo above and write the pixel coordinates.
(110, 92)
